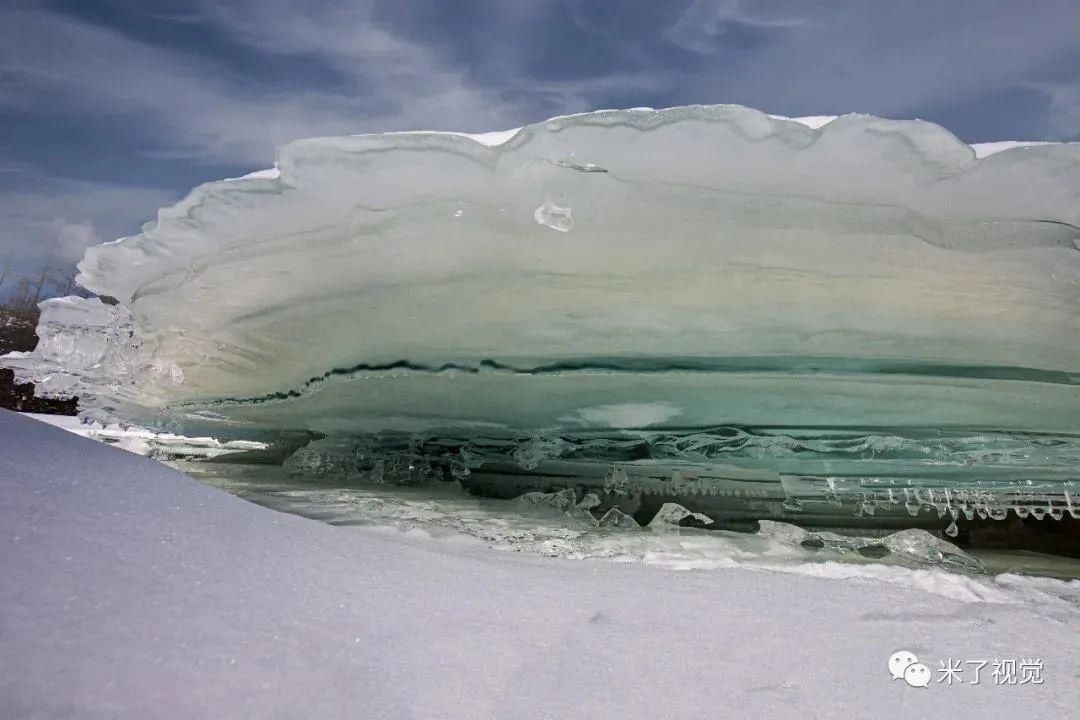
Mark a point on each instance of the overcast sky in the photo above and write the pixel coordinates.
(112, 108)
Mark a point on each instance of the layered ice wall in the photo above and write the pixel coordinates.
(635, 270)
(679, 237)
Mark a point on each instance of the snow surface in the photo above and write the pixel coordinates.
(993, 148)
(132, 591)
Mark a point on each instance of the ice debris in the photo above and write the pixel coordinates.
(912, 547)
(673, 515)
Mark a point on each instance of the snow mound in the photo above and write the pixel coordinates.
(133, 591)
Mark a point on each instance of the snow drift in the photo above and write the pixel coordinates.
(875, 281)
(132, 591)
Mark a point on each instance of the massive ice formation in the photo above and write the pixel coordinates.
(872, 281)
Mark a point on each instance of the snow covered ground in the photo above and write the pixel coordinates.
(132, 591)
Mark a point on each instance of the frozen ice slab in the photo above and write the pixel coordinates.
(157, 445)
(85, 349)
(698, 269)
(689, 239)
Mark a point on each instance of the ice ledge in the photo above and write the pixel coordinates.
(903, 156)
(814, 122)
(694, 232)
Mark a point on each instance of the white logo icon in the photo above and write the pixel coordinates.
(903, 665)
(917, 675)
(900, 661)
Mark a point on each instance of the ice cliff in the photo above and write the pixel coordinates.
(639, 270)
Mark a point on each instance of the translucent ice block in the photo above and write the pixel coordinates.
(867, 305)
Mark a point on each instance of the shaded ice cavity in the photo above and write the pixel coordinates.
(565, 524)
(724, 477)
